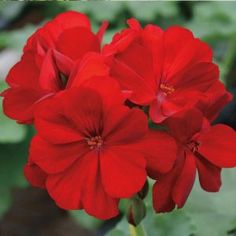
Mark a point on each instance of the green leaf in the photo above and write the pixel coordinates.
(9, 38)
(214, 213)
(149, 10)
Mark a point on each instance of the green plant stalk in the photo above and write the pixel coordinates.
(136, 231)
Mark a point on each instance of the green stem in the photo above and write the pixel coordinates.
(136, 231)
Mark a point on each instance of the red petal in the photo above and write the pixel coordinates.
(73, 45)
(209, 175)
(162, 190)
(53, 125)
(160, 151)
(49, 79)
(122, 126)
(134, 24)
(152, 36)
(64, 63)
(218, 146)
(123, 171)
(199, 76)
(182, 50)
(25, 73)
(56, 158)
(184, 125)
(102, 30)
(91, 66)
(19, 103)
(35, 175)
(84, 107)
(51, 30)
(215, 99)
(139, 60)
(142, 93)
(97, 202)
(162, 200)
(185, 181)
(80, 186)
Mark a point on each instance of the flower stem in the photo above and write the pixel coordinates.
(136, 231)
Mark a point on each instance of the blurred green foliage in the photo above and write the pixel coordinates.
(205, 214)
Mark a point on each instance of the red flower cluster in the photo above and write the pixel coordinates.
(89, 106)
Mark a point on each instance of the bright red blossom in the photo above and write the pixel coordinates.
(167, 70)
(202, 148)
(48, 59)
(93, 149)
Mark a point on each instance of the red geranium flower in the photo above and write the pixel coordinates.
(93, 149)
(167, 70)
(47, 62)
(202, 148)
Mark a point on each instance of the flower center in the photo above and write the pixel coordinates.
(167, 89)
(94, 142)
(63, 80)
(193, 146)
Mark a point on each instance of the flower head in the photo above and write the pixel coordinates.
(167, 70)
(201, 147)
(47, 62)
(93, 148)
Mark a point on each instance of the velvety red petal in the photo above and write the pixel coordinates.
(53, 158)
(25, 73)
(123, 125)
(64, 64)
(88, 193)
(139, 60)
(182, 50)
(53, 125)
(73, 45)
(134, 24)
(209, 174)
(91, 66)
(19, 103)
(84, 107)
(97, 201)
(199, 76)
(185, 181)
(49, 79)
(215, 99)
(102, 30)
(35, 175)
(51, 30)
(160, 151)
(142, 92)
(152, 37)
(185, 124)
(123, 171)
(162, 190)
(162, 200)
(218, 146)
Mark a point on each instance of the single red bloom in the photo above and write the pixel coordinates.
(167, 70)
(93, 149)
(47, 61)
(202, 148)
